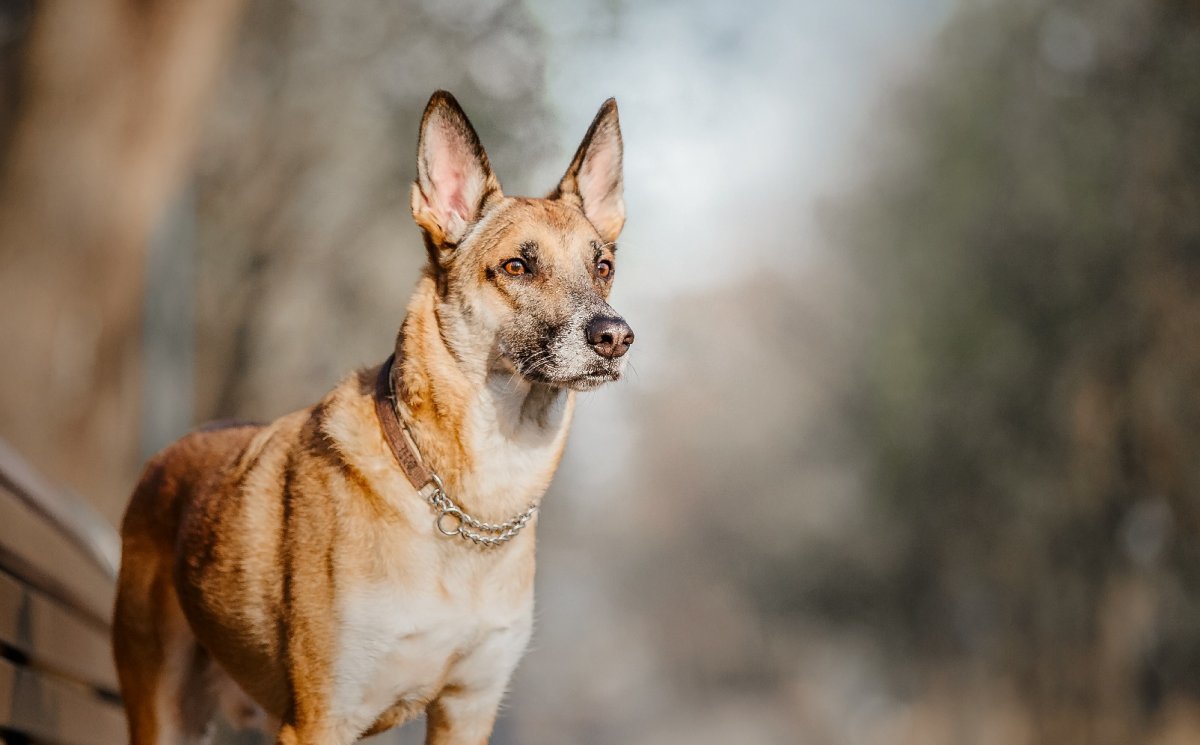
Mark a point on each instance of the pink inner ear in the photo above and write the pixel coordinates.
(449, 186)
(454, 175)
(599, 174)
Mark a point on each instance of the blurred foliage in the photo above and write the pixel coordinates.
(940, 486)
(1028, 394)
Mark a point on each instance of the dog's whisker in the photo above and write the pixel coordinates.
(539, 361)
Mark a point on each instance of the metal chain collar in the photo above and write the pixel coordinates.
(487, 535)
(465, 526)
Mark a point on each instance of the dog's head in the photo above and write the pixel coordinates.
(524, 281)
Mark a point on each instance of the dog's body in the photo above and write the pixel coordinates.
(298, 561)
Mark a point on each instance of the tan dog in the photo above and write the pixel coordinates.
(300, 560)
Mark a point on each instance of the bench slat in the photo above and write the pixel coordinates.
(54, 638)
(72, 516)
(37, 554)
(47, 709)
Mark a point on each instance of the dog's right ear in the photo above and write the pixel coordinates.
(454, 180)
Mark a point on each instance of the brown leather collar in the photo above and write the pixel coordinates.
(395, 432)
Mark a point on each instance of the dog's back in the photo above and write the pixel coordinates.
(174, 474)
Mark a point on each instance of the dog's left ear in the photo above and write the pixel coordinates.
(593, 180)
(454, 179)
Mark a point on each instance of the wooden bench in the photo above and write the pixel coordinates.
(58, 566)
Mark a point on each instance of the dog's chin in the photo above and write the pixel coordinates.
(589, 381)
(592, 381)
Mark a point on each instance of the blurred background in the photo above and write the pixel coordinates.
(911, 446)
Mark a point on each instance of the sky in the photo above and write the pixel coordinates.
(737, 117)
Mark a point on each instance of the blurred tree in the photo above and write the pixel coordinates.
(969, 468)
(1029, 397)
(107, 103)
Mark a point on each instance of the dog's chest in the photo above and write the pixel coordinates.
(403, 645)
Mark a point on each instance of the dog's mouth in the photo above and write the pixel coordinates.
(585, 382)
(592, 381)
(563, 374)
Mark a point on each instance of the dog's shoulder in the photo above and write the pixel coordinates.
(342, 443)
(345, 422)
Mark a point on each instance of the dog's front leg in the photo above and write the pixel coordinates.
(290, 734)
(461, 717)
(307, 724)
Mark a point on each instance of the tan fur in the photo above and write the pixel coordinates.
(293, 565)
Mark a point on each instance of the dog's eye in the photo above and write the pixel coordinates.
(514, 267)
(604, 269)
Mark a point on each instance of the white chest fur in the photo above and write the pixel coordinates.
(397, 646)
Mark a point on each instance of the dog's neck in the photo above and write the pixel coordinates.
(493, 437)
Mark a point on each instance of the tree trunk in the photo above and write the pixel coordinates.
(112, 96)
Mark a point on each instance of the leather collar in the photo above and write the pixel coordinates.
(394, 431)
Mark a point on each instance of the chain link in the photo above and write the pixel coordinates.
(487, 535)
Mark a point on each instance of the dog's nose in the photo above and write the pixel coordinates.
(609, 336)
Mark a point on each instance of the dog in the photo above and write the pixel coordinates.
(355, 564)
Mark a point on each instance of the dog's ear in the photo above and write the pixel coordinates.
(454, 180)
(593, 181)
